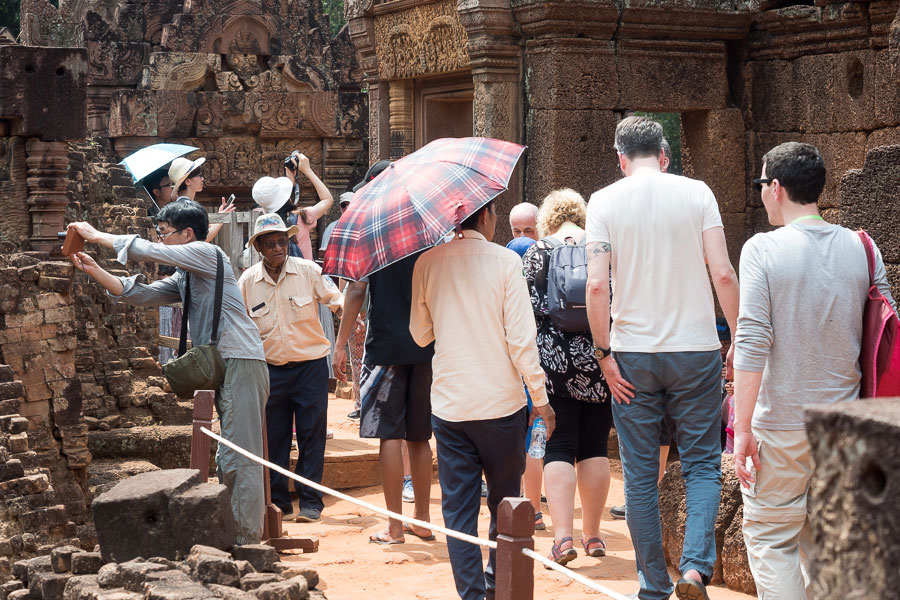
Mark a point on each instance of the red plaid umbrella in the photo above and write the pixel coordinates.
(416, 201)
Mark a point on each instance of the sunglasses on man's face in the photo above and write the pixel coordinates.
(758, 183)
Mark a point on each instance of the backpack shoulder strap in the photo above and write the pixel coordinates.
(217, 306)
(870, 254)
(546, 245)
(186, 306)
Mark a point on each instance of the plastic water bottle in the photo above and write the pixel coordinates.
(538, 439)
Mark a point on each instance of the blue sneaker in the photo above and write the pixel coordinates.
(408, 494)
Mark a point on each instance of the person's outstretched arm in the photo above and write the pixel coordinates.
(354, 296)
(325, 198)
(129, 289)
(215, 228)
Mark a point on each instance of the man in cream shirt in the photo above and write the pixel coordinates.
(658, 232)
(471, 299)
(282, 294)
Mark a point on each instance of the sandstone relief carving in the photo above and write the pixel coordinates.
(185, 71)
(422, 40)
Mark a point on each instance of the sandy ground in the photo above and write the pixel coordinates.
(351, 568)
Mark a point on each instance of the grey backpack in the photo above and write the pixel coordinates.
(566, 284)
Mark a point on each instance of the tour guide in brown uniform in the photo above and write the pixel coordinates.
(282, 294)
(240, 400)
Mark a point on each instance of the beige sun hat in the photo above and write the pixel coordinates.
(271, 193)
(271, 223)
(180, 169)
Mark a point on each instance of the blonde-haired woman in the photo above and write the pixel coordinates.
(576, 452)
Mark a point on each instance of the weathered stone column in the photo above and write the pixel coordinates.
(855, 499)
(496, 59)
(362, 32)
(401, 119)
(340, 157)
(47, 182)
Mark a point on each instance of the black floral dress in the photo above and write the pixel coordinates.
(568, 359)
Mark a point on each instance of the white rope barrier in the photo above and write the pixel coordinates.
(423, 524)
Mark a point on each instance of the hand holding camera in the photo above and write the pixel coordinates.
(296, 161)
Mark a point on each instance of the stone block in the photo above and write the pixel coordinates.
(870, 199)
(11, 389)
(133, 573)
(714, 141)
(44, 518)
(61, 558)
(202, 514)
(262, 556)
(19, 595)
(26, 73)
(36, 567)
(292, 569)
(20, 567)
(642, 64)
(855, 498)
(82, 587)
(176, 590)
(10, 586)
(255, 580)
(133, 518)
(6, 374)
(216, 569)
(571, 75)
(11, 469)
(109, 575)
(30, 484)
(53, 585)
(229, 593)
(292, 589)
(565, 144)
(133, 113)
(86, 563)
(672, 512)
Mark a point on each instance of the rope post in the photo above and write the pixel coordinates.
(200, 443)
(515, 531)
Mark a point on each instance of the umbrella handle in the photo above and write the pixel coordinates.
(458, 226)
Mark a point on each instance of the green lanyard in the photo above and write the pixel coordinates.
(807, 218)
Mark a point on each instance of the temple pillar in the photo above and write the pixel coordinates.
(340, 160)
(496, 60)
(48, 164)
(401, 118)
(362, 33)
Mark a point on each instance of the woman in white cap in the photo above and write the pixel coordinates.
(187, 181)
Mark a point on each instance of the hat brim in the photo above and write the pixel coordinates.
(282, 195)
(290, 231)
(194, 166)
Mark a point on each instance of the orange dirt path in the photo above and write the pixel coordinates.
(351, 568)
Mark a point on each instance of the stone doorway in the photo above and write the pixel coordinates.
(443, 108)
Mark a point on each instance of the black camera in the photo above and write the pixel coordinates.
(289, 162)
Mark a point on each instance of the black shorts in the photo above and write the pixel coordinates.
(395, 402)
(582, 430)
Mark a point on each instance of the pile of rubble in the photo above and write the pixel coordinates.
(250, 572)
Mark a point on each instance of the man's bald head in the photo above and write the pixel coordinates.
(523, 220)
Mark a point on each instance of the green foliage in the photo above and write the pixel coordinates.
(671, 123)
(334, 9)
(9, 15)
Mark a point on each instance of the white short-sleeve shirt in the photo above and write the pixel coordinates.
(662, 299)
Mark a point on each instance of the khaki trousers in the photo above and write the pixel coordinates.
(776, 520)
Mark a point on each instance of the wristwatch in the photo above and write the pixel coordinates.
(601, 353)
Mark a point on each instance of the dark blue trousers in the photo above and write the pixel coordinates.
(464, 450)
(298, 395)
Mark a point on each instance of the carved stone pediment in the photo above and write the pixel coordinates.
(186, 71)
(422, 40)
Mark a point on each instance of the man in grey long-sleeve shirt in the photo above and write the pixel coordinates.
(803, 289)
(241, 400)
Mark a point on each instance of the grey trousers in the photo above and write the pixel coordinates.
(241, 403)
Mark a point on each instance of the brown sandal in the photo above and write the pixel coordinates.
(560, 556)
(598, 549)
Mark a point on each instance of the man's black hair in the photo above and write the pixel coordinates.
(637, 137)
(373, 172)
(799, 168)
(184, 214)
(471, 221)
(151, 181)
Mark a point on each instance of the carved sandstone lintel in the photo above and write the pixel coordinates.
(422, 40)
(186, 71)
(48, 164)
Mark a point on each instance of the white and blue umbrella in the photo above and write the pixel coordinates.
(147, 160)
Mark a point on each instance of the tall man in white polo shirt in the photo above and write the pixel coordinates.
(658, 232)
(471, 299)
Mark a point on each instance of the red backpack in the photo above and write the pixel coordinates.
(879, 355)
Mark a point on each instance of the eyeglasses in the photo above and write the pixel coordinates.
(758, 183)
(271, 244)
(162, 236)
(165, 185)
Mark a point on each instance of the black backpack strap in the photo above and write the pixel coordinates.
(217, 307)
(540, 279)
(186, 305)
